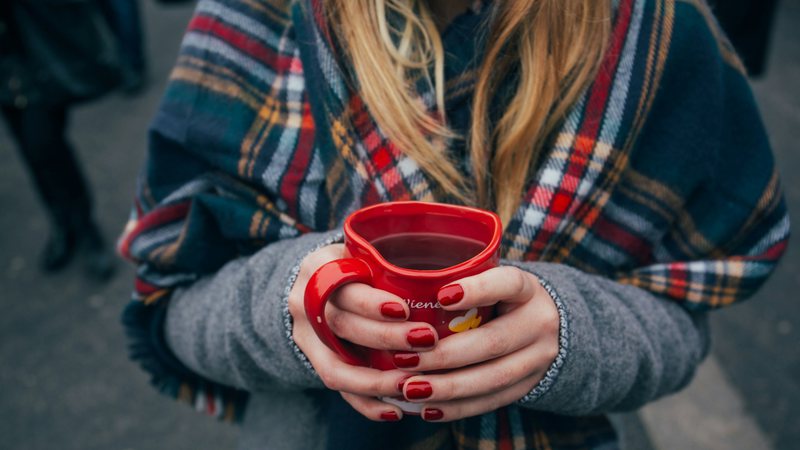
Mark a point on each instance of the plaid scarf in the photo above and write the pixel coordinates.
(660, 177)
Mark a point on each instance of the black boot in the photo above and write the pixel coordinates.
(58, 250)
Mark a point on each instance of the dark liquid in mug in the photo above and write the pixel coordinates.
(426, 251)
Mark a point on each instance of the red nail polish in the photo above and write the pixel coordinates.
(393, 310)
(401, 384)
(418, 390)
(432, 414)
(421, 337)
(450, 295)
(405, 360)
(390, 416)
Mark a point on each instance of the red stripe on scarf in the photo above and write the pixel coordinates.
(155, 219)
(144, 288)
(632, 244)
(296, 171)
(774, 253)
(587, 135)
(244, 43)
(211, 405)
(678, 281)
(504, 435)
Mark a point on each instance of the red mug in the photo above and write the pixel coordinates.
(411, 249)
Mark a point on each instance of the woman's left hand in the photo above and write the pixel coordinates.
(495, 364)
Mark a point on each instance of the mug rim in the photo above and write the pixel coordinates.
(488, 251)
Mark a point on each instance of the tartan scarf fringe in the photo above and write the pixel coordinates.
(170, 377)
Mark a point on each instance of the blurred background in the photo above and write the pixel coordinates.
(66, 381)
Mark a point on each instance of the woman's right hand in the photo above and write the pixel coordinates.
(363, 315)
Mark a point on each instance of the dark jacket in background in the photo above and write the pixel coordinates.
(55, 52)
(747, 24)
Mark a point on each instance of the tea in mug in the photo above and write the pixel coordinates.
(427, 251)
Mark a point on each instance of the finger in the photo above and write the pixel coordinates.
(317, 258)
(372, 408)
(308, 266)
(473, 406)
(532, 322)
(365, 300)
(483, 379)
(416, 336)
(340, 376)
(502, 336)
(506, 283)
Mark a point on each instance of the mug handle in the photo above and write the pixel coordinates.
(329, 277)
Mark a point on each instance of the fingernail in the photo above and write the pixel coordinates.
(421, 337)
(418, 390)
(450, 295)
(432, 414)
(405, 360)
(393, 310)
(390, 416)
(402, 383)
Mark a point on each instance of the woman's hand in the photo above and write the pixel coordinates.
(365, 316)
(497, 363)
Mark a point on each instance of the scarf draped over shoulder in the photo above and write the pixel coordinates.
(660, 177)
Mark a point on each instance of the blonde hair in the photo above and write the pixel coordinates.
(555, 46)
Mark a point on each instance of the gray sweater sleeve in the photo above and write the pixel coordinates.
(620, 346)
(234, 327)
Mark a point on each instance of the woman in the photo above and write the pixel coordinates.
(617, 140)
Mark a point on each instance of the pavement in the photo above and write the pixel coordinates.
(66, 382)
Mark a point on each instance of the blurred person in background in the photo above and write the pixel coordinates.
(618, 140)
(125, 20)
(54, 55)
(748, 24)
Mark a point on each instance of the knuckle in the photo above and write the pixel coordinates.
(548, 320)
(496, 345)
(453, 391)
(442, 358)
(385, 337)
(375, 385)
(481, 285)
(303, 269)
(348, 294)
(298, 338)
(551, 351)
(496, 402)
(518, 279)
(453, 413)
(552, 322)
(327, 254)
(330, 379)
(295, 308)
(305, 272)
(336, 321)
(332, 251)
(314, 260)
(317, 258)
(308, 266)
(501, 379)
